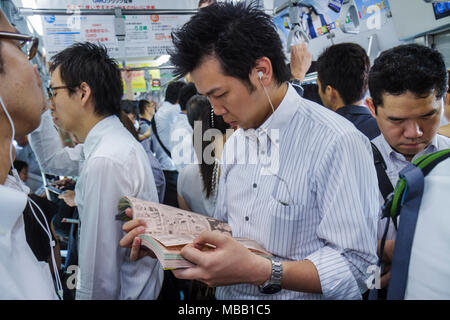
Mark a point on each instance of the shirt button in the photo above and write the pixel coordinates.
(255, 185)
(247, 218)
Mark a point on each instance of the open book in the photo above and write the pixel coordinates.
(169, 229)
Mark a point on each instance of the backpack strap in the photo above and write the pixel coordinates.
(386, 189)
(405, 235)
(407, 200)
(157, 137)
(384, 184)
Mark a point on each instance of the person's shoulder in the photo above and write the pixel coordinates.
(443, 141)
(118, 143)
(189, 177)
(324, 119)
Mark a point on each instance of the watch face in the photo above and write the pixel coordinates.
(271, 289)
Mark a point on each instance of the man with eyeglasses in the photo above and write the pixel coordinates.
(22, 101)
(85, 93)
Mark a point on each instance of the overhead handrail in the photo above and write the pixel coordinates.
(296, 29)
(111, 12)
(349, 8)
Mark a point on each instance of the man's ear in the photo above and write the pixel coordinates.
(332, 96)
(264, 68)
(85, 92)
(371, 106)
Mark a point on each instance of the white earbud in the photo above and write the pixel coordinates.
(260, 75)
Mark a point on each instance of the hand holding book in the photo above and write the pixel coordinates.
(166, 230)
(131, 240)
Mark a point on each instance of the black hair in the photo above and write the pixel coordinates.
(203, 112)
(90, 63)
(187, 92)
(345, 67)
(128, 124)
(195, 107)
(142, 105)
(411, 67)
(236, 34)
(129, 106)
(173, 90)
(19, 165)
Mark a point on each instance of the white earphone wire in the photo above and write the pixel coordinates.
(30, 202)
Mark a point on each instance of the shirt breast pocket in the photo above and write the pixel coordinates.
(287, 225)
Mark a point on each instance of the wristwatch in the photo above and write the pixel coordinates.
(273, 285)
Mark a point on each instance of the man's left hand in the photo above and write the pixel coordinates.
(229, 263)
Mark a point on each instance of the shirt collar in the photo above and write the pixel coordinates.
(97, 132)
(278, 120)
(432, 147)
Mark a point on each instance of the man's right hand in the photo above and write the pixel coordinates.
(301, 60)
(131, 240)
(127, 75)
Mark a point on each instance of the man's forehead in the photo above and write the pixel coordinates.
(400, 100)
(55, 77)
(207, 74)
(409, 104)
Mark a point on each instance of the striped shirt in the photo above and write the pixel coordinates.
(310, 193)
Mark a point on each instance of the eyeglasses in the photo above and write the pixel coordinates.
(22, 39)
(50, 90)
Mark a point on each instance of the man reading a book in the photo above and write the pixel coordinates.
(85, 92)
(310, 195)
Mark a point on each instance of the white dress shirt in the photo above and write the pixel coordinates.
(306, 189)
(395, 162)
(22, 275)
(190, 186)
(164, 119)
(111, 164)
(182, 148)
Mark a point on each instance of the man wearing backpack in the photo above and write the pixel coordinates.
(407, 85)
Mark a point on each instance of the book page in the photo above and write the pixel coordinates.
(166, 220)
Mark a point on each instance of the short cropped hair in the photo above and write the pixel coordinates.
(187, 92)
(236, 34)
(90, 63)
(345, 67)
(19, 165)
(173, 91)
(411, 67)
(142, 105)
(129, 106)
